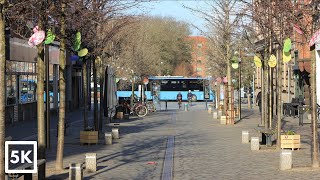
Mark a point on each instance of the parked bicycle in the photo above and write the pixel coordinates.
(150, 106)
(138, 109)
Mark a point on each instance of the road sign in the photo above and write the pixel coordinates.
(22, 157)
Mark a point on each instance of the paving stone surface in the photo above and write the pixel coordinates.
(204, 149)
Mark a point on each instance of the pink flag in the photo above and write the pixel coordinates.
(297, 29)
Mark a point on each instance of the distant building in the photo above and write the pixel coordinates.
(199, 55)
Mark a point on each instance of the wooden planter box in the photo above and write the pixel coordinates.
(290, 141)
(88, 137)
(119, 115)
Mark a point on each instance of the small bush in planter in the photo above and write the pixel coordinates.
(290, 132)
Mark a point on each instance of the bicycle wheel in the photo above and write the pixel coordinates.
(151, 107)
(141, 111)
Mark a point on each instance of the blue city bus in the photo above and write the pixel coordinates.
(166, 88)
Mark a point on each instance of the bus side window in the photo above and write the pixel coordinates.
(184, 85)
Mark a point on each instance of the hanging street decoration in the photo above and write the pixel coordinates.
(286, 56)
(287, 45)
(272, 61)
(257, 61)
(235, 62)
(83, 52)
(315, 37)
(297, 29)
(219, 80)
(225, 80)
(235, 65)
(37, 37)
(50, 37)
(77, 42)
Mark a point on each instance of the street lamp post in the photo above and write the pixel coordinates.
(239, 101)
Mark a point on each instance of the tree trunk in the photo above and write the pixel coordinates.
(2, 90)
(218, 96)
(263, 120)
(314, 115)
(279, 96)
(40, 108)
(62, 91)
(101, 97)
(85, 94)
(249, 100)
(95, 98)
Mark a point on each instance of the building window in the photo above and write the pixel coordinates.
(199, 61)
(11, 89)
(28, 84)
(199, 45)
(21, 82)
(199, 69)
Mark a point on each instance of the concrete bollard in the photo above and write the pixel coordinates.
(108, 138)
(75, 171)
(91, 162)
(285, 159)
(185, 107)
(219, 114)
(215, 115)
(245, 137)
(255, 146)
(115, 133)
(223, 120)
(209, 110)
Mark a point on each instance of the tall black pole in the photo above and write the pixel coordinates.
(47, 61)
(239, 100)
(47, 78)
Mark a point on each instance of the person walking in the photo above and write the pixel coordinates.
(179, 99)
(189, 97)
(258, 100)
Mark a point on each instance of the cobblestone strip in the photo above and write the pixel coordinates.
(167, 172)
(168, 160)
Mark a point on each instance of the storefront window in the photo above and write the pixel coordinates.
(11, 89)
(28, 84)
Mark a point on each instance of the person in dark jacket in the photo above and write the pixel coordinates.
(258, 100)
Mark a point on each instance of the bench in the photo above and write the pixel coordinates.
(26, 176)
(292, 109)
(305, 108)
(267, 133)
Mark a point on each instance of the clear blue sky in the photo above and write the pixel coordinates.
(175, 9)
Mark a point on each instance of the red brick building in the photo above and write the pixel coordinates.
(199, 56)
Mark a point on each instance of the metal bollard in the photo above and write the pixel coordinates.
(255, 146)
(245, 137)
(185, 107)
(285, 160)
(75, 171)
(166, 105)
(115, 133)
(108, 138)
(91, 162)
